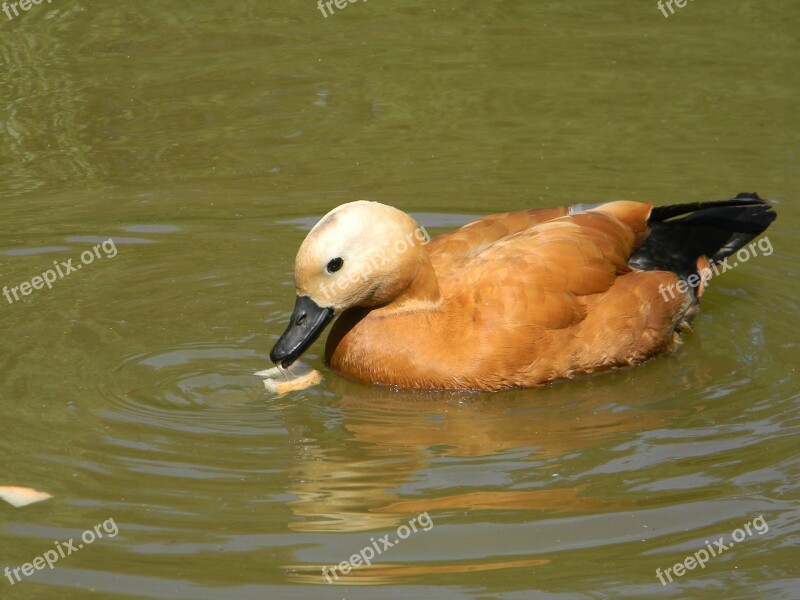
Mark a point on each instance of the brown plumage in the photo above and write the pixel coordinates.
(511, 300)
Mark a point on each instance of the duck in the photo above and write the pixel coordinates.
(519, 299)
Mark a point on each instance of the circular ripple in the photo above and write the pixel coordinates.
(194, 387)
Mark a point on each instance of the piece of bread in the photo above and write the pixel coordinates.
(282, 381)
(22, 496)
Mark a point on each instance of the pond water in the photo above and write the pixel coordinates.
(205, 139)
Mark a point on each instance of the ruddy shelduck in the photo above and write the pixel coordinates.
(517, 299)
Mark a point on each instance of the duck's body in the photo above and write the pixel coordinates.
(511, 300)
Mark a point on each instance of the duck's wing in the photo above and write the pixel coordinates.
(560, 255)
(559, 299)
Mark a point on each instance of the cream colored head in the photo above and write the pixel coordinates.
(360, 254)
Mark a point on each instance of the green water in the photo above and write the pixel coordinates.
(205, 138)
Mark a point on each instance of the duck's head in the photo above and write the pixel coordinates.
(361, 254)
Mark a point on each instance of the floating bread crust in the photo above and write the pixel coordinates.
(301, 382)
(302, 376)
(22, 496)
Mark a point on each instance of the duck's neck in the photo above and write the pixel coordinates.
(422, 294)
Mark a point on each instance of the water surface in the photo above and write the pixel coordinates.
(206, 138)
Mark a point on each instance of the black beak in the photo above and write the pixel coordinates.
(306, 323)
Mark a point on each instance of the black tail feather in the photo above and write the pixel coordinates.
(714, 229)
(662, 213)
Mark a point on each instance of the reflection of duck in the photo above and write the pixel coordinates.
(352, 475)
(377, 457)
(510, 300)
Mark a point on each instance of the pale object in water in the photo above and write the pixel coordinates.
(22, 496)
(282, 381)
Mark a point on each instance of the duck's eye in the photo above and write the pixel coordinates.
(335, 265)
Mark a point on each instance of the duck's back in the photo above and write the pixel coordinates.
(476, 236)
